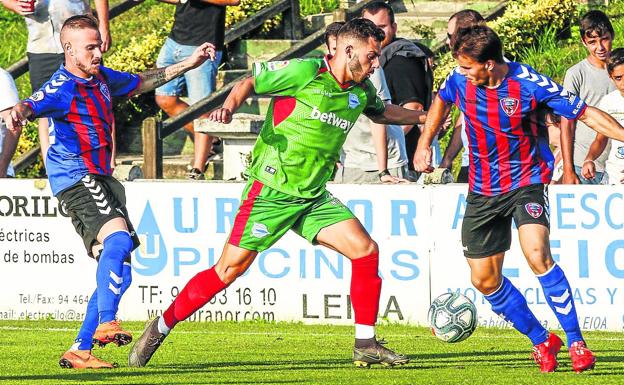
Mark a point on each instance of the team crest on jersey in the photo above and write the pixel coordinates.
(354, 100)
(509, 105)
(277, 65)
(534, 209)
(620, 152)
(105, 91)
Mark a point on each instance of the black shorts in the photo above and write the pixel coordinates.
(41, 67)
(486, 228)
(92, 202)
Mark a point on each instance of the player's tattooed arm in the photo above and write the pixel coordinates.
(152, 79)
(19, 116)
(394, 114)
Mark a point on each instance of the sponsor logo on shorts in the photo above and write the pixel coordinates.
(259, 230)
(270, 170)
(534, 209)
(509, 105)
(354, 101)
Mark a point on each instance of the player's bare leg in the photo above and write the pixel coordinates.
(202, 143)
(200, 289)
(351, 240)
(534, 240)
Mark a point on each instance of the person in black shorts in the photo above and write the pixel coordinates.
(511, 165)
(78, 99)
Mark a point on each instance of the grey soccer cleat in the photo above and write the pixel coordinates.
(146, 345)
(377, 354)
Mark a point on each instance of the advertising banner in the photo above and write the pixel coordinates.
(45, 272)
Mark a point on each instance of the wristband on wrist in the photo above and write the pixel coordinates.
(383, 173)
(589, 160)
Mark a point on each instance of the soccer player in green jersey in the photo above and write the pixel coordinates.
(316, 102)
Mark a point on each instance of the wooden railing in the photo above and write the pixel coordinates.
(155, 130)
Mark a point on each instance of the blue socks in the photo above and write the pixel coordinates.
(559, 296)
(109, 275)
(91, 321)
(509, 303)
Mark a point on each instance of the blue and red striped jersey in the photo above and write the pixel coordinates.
(81, 119)
(507, 136)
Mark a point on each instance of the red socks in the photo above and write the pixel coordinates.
(365, 289)
(197, 292)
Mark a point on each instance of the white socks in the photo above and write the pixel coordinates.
(364, 332)
(162, 327)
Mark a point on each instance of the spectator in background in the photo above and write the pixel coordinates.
(613, 104)
(331, 36)
(8, 138)
(372, 153)
(590, 81)
(195, 22)
(44, 19)
(407, 70)
(462, 19)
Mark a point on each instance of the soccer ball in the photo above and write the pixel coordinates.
(453, 317)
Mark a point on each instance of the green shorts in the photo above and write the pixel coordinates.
(266, 214)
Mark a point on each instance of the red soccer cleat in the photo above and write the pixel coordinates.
(83, 359)
(582, 358)
(545, 354)
(108, 332)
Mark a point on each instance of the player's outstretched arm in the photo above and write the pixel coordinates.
(152, 79)
(394, 114)
(437, 112)
(602, 123)
(241, 91)
(19, 116)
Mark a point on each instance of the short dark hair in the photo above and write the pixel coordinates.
(361, 29)
(616, 58)
(479, 43)
(332, 30)
(466, 18)
(80, 22)
(376, 6)
(595, 22)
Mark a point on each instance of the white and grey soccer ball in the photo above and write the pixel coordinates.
(453, 317)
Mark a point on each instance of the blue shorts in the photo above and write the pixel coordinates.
(200, 82)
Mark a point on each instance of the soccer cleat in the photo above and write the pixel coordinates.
(195, 174)
(581, 357)
(145, 347)
(111, 331)
(377, 354)
(545, 354)
(83, 359)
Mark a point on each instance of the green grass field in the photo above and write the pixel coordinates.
(285, 353)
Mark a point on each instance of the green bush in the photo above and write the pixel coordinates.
(519, 27)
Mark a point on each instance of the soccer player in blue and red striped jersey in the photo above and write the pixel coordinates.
(77, 101)
(510, 168)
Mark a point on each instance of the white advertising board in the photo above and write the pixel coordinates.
(45, 272)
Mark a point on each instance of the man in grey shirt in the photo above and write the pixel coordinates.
(374, 153)
(590, 81)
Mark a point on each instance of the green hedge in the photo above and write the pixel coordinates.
(519, 27)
